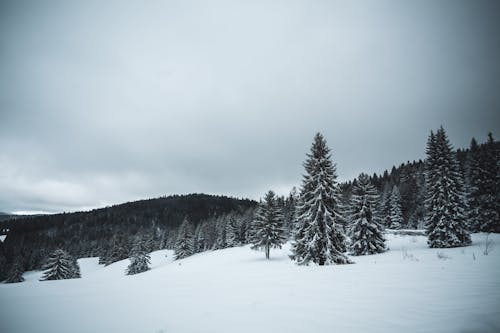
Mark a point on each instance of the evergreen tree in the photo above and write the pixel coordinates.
(364, 229)
(232, 230)
(445, 223)
(3, 264)
(118, 250)
(140, 258)
(395, 214)
(319, 237)
(60, 265)
(489, 200)
(289, 210)
(15, 273)
(384, 208)
(268, 225)
(472, 186)
(184, 247)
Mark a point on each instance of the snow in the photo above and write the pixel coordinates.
(408, 288)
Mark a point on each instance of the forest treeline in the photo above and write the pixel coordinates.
(216, 222)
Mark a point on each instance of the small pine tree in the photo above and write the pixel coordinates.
(267, 228)
(140, 258)
(395, 213)
(60, 265)
(184, 247)
(364, 229)
(319, 236)
(15, 273)
(445, 223)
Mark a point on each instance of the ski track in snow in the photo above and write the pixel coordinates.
(407, 289)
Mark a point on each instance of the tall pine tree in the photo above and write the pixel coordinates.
(319, 236)
(489, 200)
(445, 223)
(473, 186)
(395, 217)
(365, 230)
(184, 246)
(267, 227)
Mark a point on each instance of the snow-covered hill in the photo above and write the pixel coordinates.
(410, 288)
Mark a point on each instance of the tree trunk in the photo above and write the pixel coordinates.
(267, 251)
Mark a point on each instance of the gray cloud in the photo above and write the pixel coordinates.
(106, 102)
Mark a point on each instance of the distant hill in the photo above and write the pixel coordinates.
(87, 233)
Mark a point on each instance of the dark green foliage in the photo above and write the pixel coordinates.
(486, 191)
(85, 234)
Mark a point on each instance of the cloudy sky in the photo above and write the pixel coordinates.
(109, 101)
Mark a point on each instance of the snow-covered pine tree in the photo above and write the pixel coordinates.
(489, 193)
(3, 264)
(319, 237)
(395, 213)
(76, 268)
(220, 231)
(267, 228)
(445, 223)
(289, 212)
(15, 274)
(472, 186)
(119, 249)
(232, 231)
(184, 246)
(364, 229)
(59, 266)
(140, 258)
(384, 206)
(199, 238)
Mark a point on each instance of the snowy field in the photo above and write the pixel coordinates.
(407, 289)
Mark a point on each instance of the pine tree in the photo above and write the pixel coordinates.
(3, 264)
(15, 273)
(60, 265)
(268, 225)
(319, 237)
(472, 186)
(140, 258)
(445, 223)
(384, 207)
(184, 246)
(395, 213)
(119, 250)
(232, 230)
(364, 230)
(220, 230)
(289, 212)
(489, 200)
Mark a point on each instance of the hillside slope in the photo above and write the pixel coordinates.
(408, 288)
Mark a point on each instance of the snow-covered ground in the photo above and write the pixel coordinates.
(407, 289)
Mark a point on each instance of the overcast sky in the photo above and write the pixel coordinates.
(104, 102)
